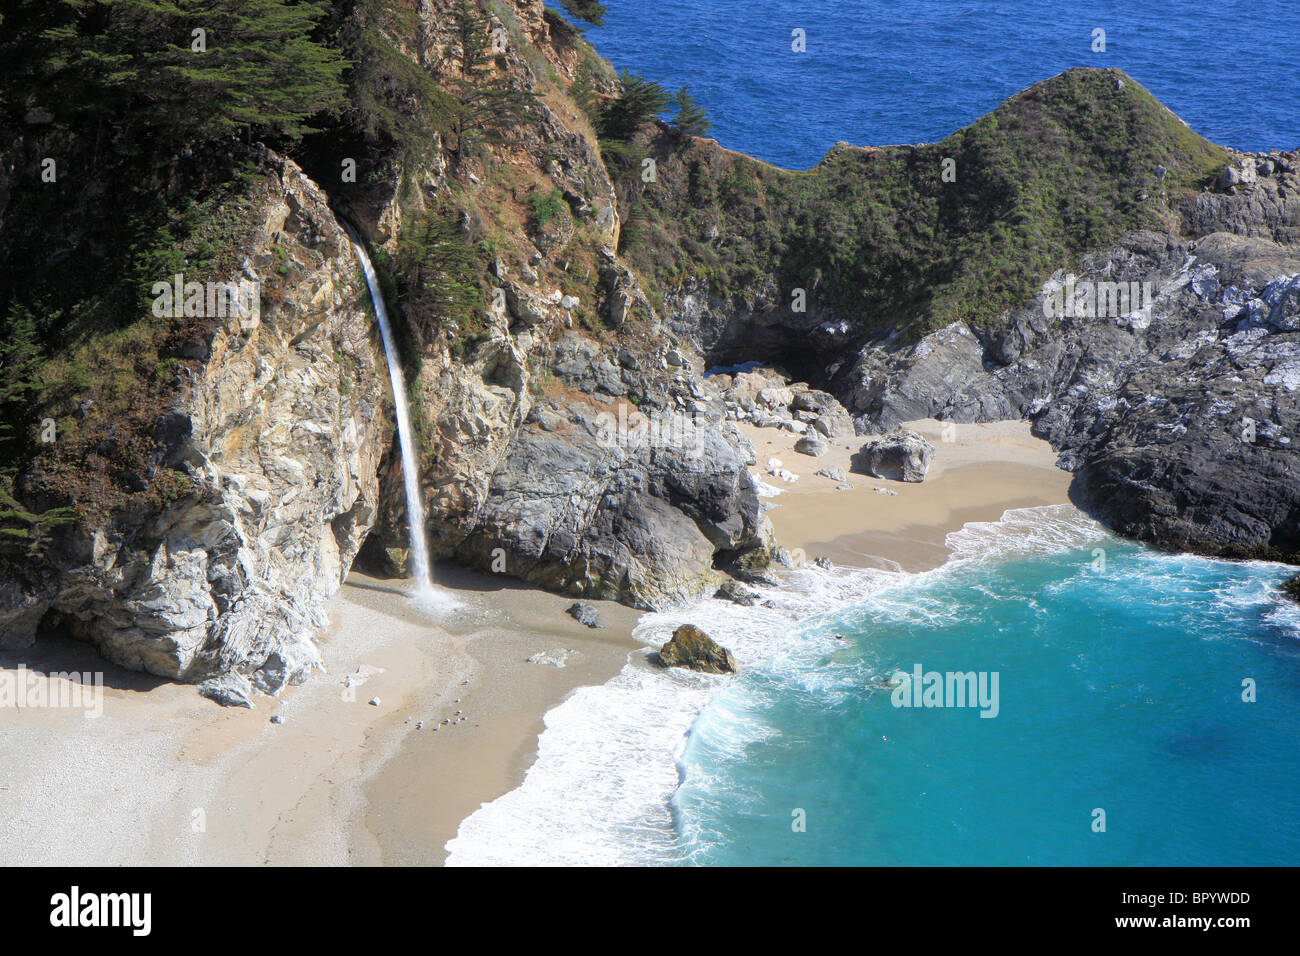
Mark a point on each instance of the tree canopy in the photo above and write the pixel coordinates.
(181, 69)
(588, 10)
(639, 101)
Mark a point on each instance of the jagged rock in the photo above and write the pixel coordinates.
(228, 690)
(737, 593)
(583, 613)
(900, 455)
(399, 560)
(746, 386)
(291, 664)
(622, 505)
(775, 396)
(831, 418)
(1291, 588)
(784, 557)
(944, 374)
(692, 648)
(834, 473)
(526, 306)
(755, 566)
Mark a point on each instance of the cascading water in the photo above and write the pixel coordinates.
(425, 592)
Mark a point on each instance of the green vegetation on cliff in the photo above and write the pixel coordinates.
(883, 236)
(125, 124)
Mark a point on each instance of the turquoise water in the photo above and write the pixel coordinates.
(1120, 688)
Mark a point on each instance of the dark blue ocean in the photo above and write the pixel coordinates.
(876, 73)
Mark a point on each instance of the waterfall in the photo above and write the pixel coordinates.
(424, 588)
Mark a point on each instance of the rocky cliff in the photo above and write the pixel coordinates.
(1174, 405)
(279, 427)
(212, 481)
(266, 459)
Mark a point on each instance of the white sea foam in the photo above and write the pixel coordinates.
(1023, 532)
(608, 761)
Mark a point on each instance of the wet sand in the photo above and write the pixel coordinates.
(164, 777)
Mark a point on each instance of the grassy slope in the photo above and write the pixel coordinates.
(879, 236)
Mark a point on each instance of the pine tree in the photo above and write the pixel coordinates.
(140, 66)
(472, 30)
(584, 94)
(691, 120)
(588, 10)
(20, 365)
(639, 101)
(384, 83)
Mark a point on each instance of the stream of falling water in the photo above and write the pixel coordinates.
(425, 592)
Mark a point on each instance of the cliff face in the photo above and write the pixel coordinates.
(560, 445)
(1178, 420)
(527, 339)
(556, 311)
(279, 427)
(1178, 416)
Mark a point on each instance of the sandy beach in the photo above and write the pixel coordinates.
(166, 777)
(978, 473)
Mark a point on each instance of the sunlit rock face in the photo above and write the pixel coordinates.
(281, 432)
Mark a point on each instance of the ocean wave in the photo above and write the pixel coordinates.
(1025, 532)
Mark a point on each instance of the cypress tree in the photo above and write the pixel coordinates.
(169, 71)
(639, 101)
(589, 10)
(691, 120)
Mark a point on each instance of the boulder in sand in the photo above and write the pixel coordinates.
(901, 455)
